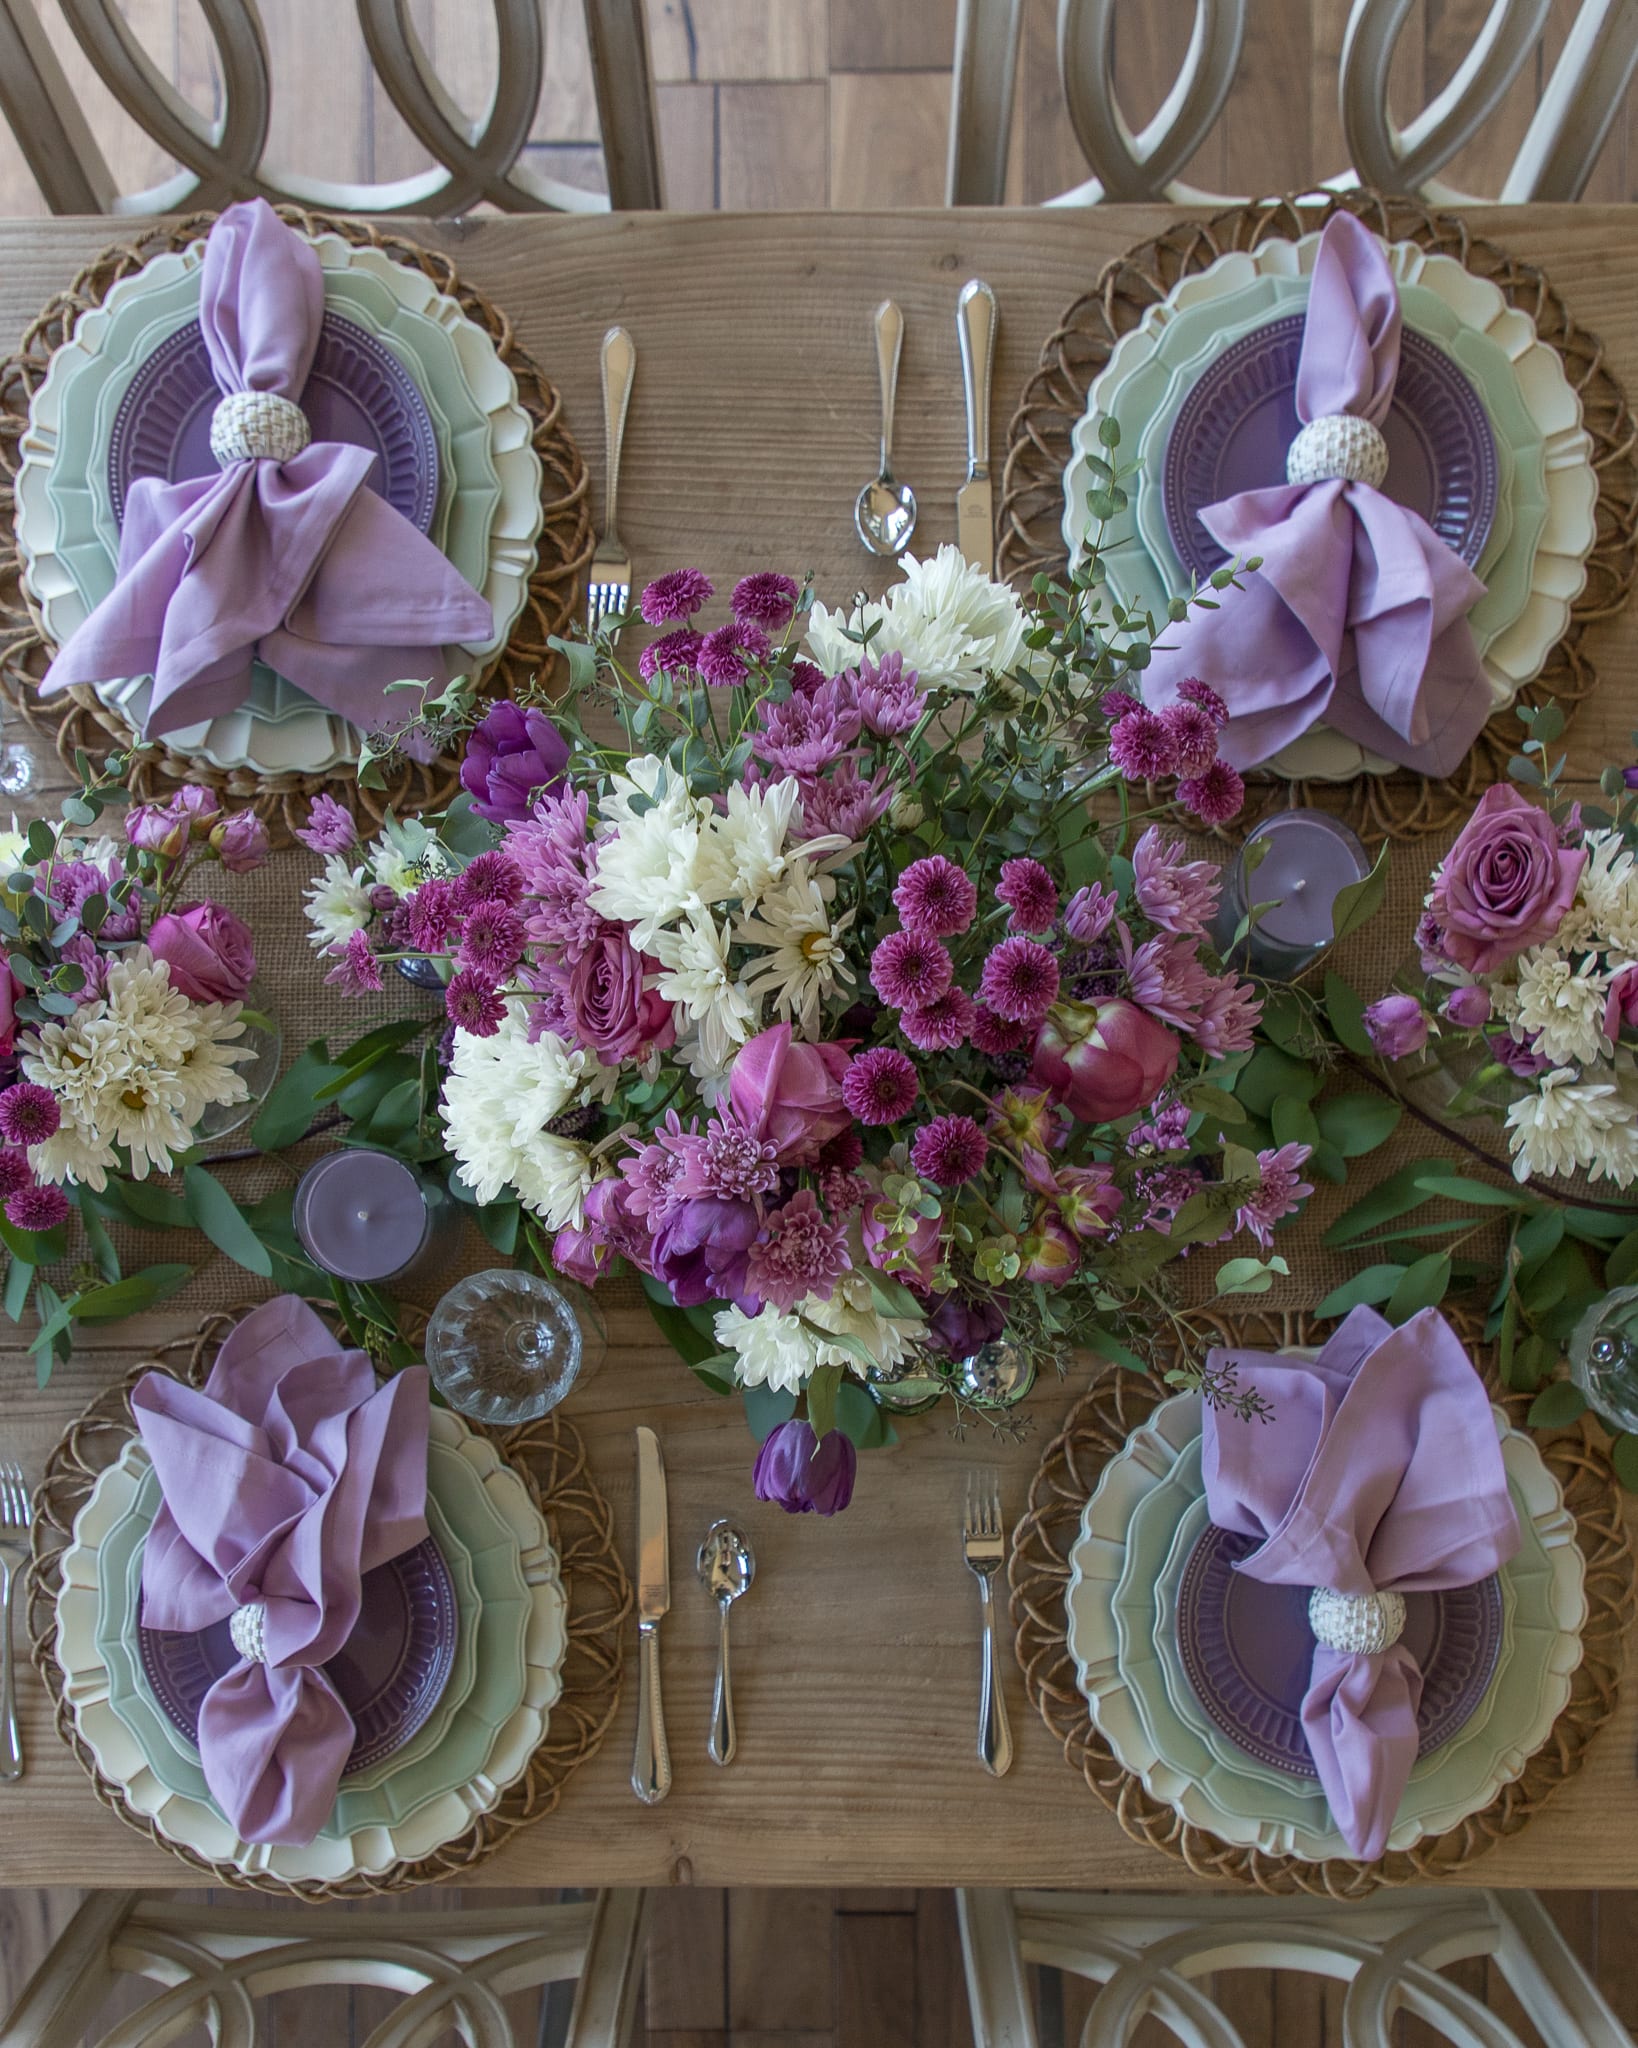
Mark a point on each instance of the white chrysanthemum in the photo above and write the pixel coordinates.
(338, 903)
(208, 1074)
(145, 1116)
(710, 1074)
(770, 1349)
(951, 623)
(153, 1021)
(1563, 1005)
(1609, 890)
(696, 977)
(753, 836)
(74, 1153)
(850, 1310)
(804, 955)
(660, 860)
(499, 1095)
(389, 868)
(1570, 1124)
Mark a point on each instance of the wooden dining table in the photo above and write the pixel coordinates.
(752, 425)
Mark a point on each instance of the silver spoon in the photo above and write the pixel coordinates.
(885, 511)
(727, 1565)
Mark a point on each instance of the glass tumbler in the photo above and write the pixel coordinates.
(506, 1346)
(1604, 1357)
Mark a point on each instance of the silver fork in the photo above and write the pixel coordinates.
(14, 1527)
(609, 592)
(984, 1546)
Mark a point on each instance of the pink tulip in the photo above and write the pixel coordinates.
(789, 1093)
(1103, 1060)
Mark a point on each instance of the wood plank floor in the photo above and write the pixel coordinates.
(795, 104)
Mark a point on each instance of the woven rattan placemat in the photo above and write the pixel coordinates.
(1403, 805)
(79, 719)
(550, 1459)
(1039, 1572)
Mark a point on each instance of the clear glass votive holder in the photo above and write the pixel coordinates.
(1604, 1357)
(506, 1346)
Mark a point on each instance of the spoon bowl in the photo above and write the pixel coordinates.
(727, 1565)
(884, 514)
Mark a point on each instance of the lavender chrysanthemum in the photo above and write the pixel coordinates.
(949, 1150)
(1029, 892)
(29, 1114)
(888, 698)
(1089, 911)
(357, 971)
(474, 1004)
(1141, 747)
(1020, 980)
(329, 827)
(1228, 1017)
(676, 596)
(935, 898)
(845, 801)
(806, 734)
(1281, 1188)
(37, 1208)
(1214, 797)
(880, 1085)
(673, 653)
(942, 1024)
(1177, 894)
(728, 1162)
(909, 971)
(802, 1254)
(766, 599)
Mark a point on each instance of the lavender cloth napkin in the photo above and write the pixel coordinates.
(297, 562)
(1358, 615)
(1379, 1471)
(286, 1479)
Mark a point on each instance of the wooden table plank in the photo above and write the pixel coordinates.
(752, 424)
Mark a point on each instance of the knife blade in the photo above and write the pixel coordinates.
(651, 1764)
(976, 318)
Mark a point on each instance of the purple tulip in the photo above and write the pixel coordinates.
(514, 757)
(962, 1322)
(699, 1251)
(802, 1474)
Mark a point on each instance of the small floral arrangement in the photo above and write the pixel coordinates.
(1529, 942)
(791, 968)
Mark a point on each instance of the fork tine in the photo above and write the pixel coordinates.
(13, 1496)
(996, 1524)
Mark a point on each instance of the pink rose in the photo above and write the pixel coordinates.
(1103, 1060)
(1505, 884)
(241, 841)
(1396, 1026)
(211, 954)
(789, 1093)
(1468, 1007)
(613, 1012)
(1621, 1004)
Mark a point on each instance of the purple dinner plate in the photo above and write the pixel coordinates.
(390, 1674)
(357, 391)
(1247, 1649)
(1240, 417)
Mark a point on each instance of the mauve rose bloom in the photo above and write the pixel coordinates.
(1396, 1026)
(613, 1012)
(1621, 1004)
(962, 1322)
(1468, 1007)
(211, 953)
(700, 1249)
(1103, 1060)
(512, 758)
(156, 828)
(790, 1094)
(1522, 1060)
(801, 1474)
(1505, 884)
(241, 841)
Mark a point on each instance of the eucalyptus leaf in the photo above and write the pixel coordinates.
(1559, 1403)
(19, 1279)
(128, 1297)
(1421, 1285)
(292, 1103)
(1110, 1347)
(1355, 905)
(216, 1213)
(1372, 1284)
(766, 1408)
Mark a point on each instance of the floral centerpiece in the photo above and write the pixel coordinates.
(1529, 944)
(122, 1027)
(794, 972)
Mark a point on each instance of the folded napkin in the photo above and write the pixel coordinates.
(1358, 614)
(1380, 1474)
(285, 1480)
(286, 554)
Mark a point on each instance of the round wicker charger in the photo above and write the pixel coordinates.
(1402, 805)
(79, 718)
(550, 1459)
(1038, 1570)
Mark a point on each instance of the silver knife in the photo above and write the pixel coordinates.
(651, 1766)
(975, 517)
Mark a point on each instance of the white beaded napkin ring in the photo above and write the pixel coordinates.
(1338, 444)
(247, 1626)
(1360, 1624)
(253, 426)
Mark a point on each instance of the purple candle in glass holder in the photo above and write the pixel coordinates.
(1309, 859)
(362, 1215)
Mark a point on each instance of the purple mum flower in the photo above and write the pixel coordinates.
(909, 970)
(880, 1085)
(1280, 1189)
(845, 801)
(802, 1254)
(675, 653)
(29, 1114)
(357, 970)
(1142, 748)
(676, 596)
(949, 1150)
(1214, 796)
(767, 599)
(37, 1208)
(15, 1172)
(1194, 736)
(942, 1024)
(1030, 893)
(935, 898)
(492, 940)
(1019, 980)
(490, 878)
(806, 734)
(474, 1004)
(888, 698)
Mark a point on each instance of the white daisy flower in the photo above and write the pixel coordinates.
(1562, 1004)
(805, 959)
(699, 981)
(949, 621)
(338, 903)
(770, 1349)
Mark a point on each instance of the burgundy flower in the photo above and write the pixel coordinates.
(801, 1254)
(357, 970)
(880, 1086)
(766, 599)
(474, 1004)
(1029, 891)
(1194, 735)
(1214, 796)
(1141, 747)
(676, 596)
(329, 827)
(1193, 691)
(942, 1024)
(935, 897)
(37, 1208)
(726, 654)
(796, 1471)
(672, 654)
(210, 952)
(1019, 980)
(490, 878)
(492, 940)
(949, 1150)
(511, 758)
(15, 1172)
(1104, 1060)
(845, 1150)
(432, 914)
(908, 970)
(1506, 883)
(29, 1114)
(995, 1035)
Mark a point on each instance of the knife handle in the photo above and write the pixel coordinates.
(975, 322)
(651, 1766)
